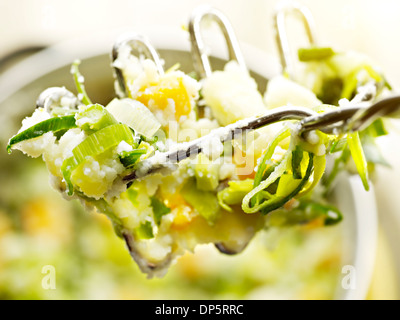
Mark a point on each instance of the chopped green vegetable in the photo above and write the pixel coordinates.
(268, 155)
(135, 115)
(272, 202)
(377, 128)
(319, 170)
(358, 156)
(159, 209)
(204, 202)
(206, 173)
(235, 193)
(62, 111)
(131, 194)
(297, 157)
(95, 144)
(315, 53)
(279, 200)
(79, 83)
(287, 182)
(130, 158)
(306, 212)
(338, 145)
(50, 125)
(94, 118)
(145, 231)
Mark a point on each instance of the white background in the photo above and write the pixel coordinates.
(370, 26)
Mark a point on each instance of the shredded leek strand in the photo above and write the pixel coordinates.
(319, 170)
(53, 124)
(278, 171)
(268, 155)
(279, 201)
(358, 156)
(79, 83)
(315, 53)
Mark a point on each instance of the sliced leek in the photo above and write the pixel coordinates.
(135, 115)
(96, 144)
(130, 158)
(358, 156)
(93, 118)
(315, 53)
(50, 125)
(80, 83)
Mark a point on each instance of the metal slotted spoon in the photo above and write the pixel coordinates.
(358, 115)
(386, 107)
(360, 112)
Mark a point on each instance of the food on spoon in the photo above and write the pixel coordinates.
(223, 196)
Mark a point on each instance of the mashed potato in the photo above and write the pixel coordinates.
(207, 199)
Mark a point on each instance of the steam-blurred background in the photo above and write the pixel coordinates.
(38, 228)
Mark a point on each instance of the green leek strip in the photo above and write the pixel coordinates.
(358, 156)
(234, 194)
(331, 214)
(350, 85)
(268, 155)
(145, 231)
(286, 183)
(62, 111)
(306, 212)
(79, 83)
(263, 165)
(319, 170)
(130, 158)
(53, 124)
(136, 115)
(338, 145)
(93, 118)
(95, 144)
(314, 210)
(277, 202)
(159, 209)
(248, 204)
(315, 53)
(297, 157)
(377, 128)
(204, 202)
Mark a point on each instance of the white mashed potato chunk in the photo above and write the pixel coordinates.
(170, 96)
(232, 94)
(35, 147)
(56, 153)
(284, 92)
(155, 250)
(96, 175)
